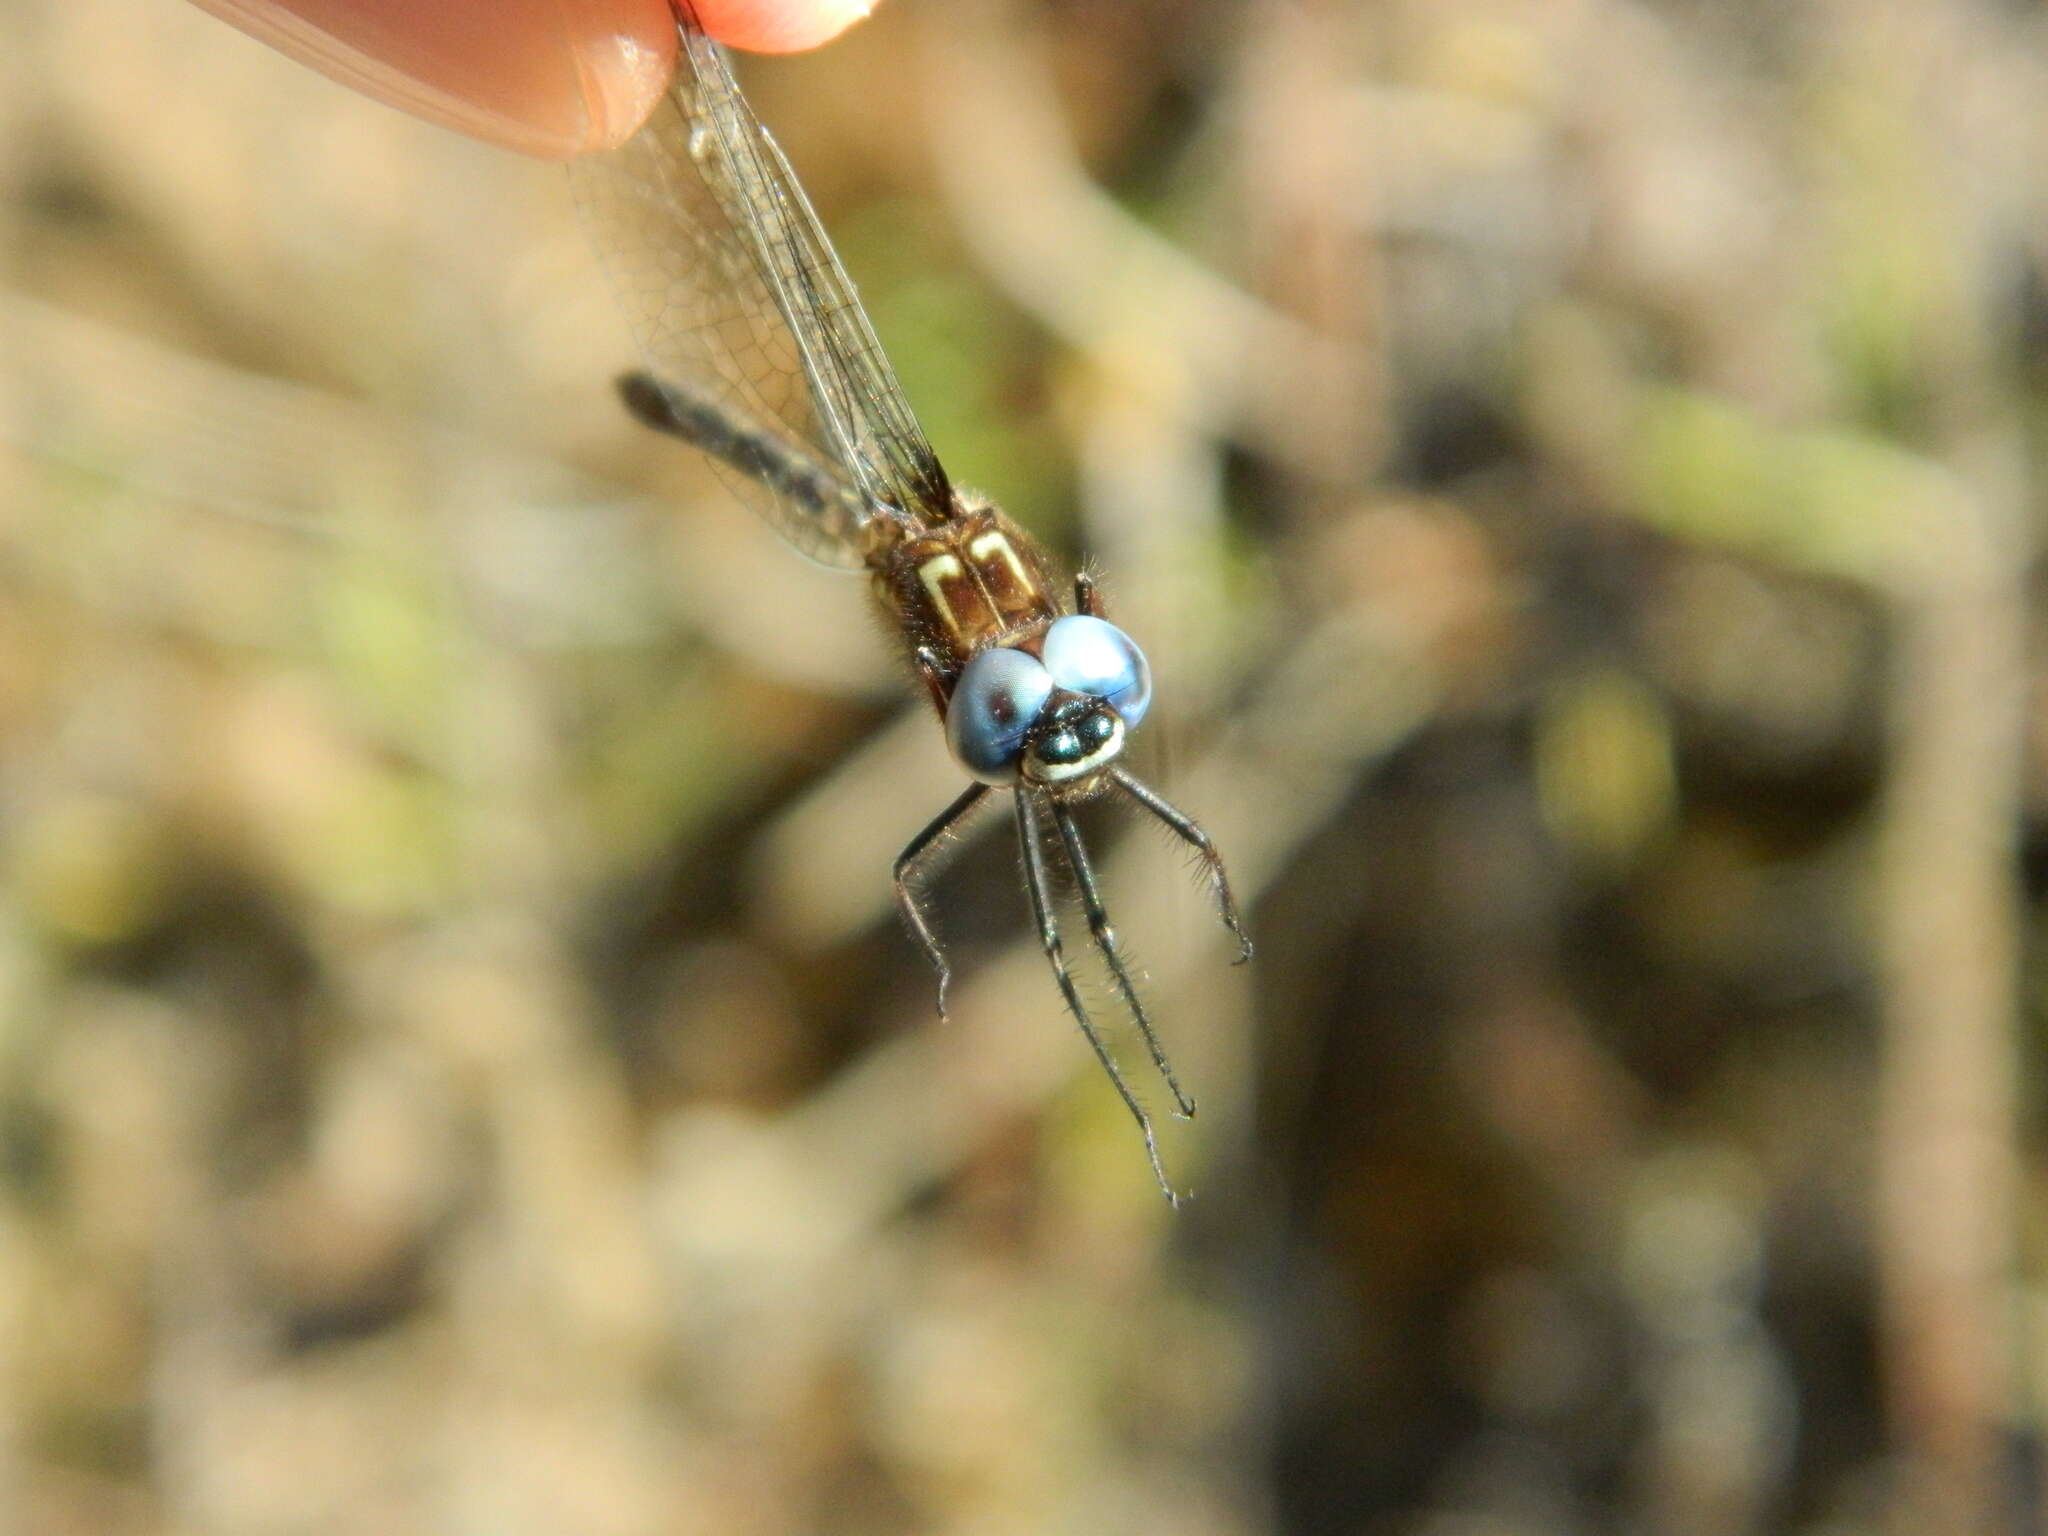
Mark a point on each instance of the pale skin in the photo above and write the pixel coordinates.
(554, 78)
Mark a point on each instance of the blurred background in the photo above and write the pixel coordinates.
(1570, 464)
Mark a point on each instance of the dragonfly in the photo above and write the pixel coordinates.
(760, 356)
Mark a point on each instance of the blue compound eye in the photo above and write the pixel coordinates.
(994, 706)
(1084, 654)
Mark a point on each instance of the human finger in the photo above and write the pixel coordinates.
(547, 77)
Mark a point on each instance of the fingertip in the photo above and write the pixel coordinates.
(626, 71)
(779, 26)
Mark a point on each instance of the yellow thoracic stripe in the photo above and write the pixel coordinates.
(997, 541)
(934, 574)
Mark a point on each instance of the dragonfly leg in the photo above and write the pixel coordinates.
(1036, 882)
(1183, 827)
(928, 668)
(1105, 941)
(907, 865)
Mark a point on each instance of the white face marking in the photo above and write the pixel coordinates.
(997, 543)
(1065, 773)
(934, 574)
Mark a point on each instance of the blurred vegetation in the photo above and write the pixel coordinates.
(1572, 465)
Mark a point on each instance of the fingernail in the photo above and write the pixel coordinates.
(622, 78)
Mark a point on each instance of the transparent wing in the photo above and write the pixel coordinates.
(739, 302)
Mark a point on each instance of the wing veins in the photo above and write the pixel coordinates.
(858, 399)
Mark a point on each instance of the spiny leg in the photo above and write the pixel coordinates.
(1049, 936)
(907, 864)
(1105, 940)
(1186, 830)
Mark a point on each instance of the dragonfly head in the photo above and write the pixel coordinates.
(1055, 718)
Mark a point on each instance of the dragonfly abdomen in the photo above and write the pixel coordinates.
(781, 466)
